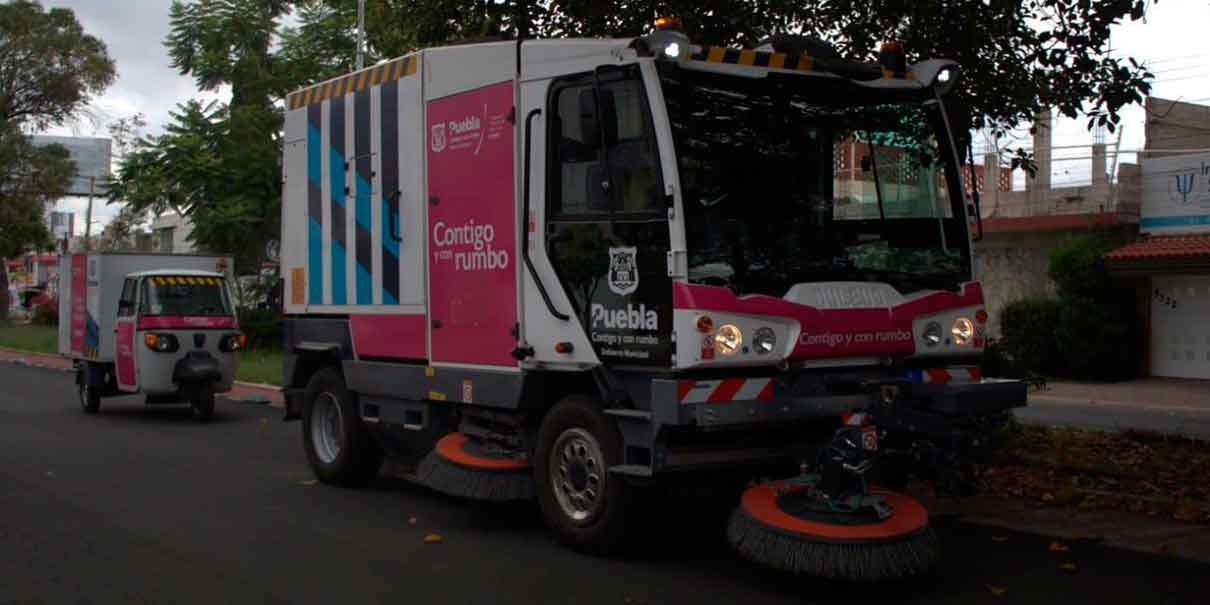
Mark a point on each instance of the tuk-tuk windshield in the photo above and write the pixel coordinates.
(184, 295)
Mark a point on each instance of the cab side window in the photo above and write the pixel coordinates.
(126, 302)
(604, 147)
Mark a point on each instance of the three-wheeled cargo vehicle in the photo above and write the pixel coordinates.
(157, 324)
(567, 269)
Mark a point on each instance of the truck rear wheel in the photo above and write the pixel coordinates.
(581, 503)
(340, 449)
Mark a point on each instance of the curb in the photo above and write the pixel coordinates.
(54, 362)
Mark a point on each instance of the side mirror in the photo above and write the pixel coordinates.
(598, 123)
(590, 125)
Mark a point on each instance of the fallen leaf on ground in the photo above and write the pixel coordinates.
(1068, 567)
(999, 538)
(411, 520)
(432, 539)
(1058, 547)
(999, 591)
(1048, 497)
(308, 482)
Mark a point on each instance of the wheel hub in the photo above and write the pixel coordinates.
(327, 427)
(578, 475)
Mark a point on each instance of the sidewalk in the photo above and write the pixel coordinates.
(240, 391)
(1164, 405)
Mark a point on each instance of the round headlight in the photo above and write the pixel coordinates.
(932, 334)
(728, 339)
(963, 330)
(673, 50)
(764, 340)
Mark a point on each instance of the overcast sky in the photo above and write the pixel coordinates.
(1169, 40)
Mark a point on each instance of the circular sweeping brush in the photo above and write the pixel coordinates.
(462, 466)
(782, 526)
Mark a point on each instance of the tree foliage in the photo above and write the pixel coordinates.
(49, 68)
(1018, 56)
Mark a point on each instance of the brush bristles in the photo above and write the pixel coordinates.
(477, 484)
(856, 561)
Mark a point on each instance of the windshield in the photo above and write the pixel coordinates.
(788, 179)
(184, 295)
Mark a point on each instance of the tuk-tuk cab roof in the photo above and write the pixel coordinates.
(178, 273)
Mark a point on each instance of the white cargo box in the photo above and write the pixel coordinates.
(90, 286)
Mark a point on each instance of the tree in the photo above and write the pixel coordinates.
(49, 70)
(1018, 56)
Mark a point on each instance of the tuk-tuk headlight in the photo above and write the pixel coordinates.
(161, 343)
(232, 342)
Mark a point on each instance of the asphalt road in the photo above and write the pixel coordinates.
(1112, 416)
(142, 504)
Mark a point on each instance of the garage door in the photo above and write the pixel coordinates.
(1180, 326)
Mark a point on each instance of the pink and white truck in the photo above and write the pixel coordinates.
(564, 269)
(158, 324)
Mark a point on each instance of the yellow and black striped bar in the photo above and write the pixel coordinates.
(754, 58)
(358, 80)
(794, 62)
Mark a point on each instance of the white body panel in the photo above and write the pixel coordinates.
(105, 275)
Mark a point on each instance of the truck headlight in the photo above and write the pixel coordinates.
(728, 339)
(764, 340)
(932, 334)
(963, 330)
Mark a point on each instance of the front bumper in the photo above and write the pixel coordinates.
(784, 418)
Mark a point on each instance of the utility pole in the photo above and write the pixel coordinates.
(361, 33)
(92, 187)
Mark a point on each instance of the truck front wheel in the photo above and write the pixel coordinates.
(581, 503)
(340, 449)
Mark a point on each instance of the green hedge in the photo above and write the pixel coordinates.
(263, 328)
(1027, 329)
(1091, 330)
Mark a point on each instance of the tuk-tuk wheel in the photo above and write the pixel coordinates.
(202, 401)
(90, 398)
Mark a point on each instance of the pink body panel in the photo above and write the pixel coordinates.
(397, 336)
(472, 227)
(125, 353)
(79, 301)
(833, 332)
(188, 322)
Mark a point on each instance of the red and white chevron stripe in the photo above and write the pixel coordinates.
(947, 375)
(730, 389)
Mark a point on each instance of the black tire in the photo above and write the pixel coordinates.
(359, 457)
(603, 530)
(202, 400)
(90, 397)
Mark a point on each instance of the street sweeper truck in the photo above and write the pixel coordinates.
(568, 270)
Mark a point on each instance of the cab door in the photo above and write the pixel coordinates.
(125, 327)
(607, 229)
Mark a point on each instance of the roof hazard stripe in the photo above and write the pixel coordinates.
(358, 80)
(735, 56)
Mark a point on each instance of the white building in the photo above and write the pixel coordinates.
(170, 233)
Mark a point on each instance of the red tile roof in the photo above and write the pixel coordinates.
(1164, 246)
(1053, 222)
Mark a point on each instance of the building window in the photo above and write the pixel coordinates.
(165, 238)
